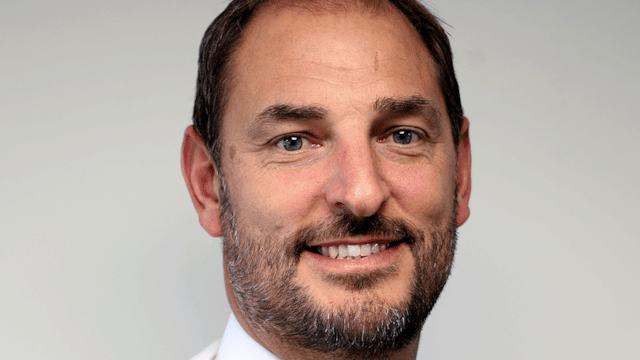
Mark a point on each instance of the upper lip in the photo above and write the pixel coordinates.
(354, 242)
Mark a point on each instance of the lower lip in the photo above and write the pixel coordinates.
(375, 261)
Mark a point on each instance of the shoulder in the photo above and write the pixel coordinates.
(209, 353)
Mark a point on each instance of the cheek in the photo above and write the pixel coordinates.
(273, 200)
(423, 192)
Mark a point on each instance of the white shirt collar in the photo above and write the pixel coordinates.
(236, 344)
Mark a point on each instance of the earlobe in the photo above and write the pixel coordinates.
(200, 174)
(464, 174)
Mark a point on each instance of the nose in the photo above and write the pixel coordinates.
(355, 183)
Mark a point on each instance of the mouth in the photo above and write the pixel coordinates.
(351, 251)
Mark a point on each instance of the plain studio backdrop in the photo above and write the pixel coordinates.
(101, 253)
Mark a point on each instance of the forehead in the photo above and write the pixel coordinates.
(344, 61)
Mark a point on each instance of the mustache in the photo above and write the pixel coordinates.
(346, 224)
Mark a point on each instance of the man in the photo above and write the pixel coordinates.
(330, 151)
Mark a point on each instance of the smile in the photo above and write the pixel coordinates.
(362, 257)
(351, 252)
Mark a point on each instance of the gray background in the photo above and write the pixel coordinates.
(101, 253)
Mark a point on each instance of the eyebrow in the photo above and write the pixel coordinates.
(409, 105)
(277, 113)
(388, 108)
(384, 107)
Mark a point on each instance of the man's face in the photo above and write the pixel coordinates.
(336, 134)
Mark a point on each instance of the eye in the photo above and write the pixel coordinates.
(405, 137)
(292, 143)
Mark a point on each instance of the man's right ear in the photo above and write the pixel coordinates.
(199, 172)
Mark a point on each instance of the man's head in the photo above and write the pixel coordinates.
(323, 129)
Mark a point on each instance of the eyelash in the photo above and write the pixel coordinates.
(419, 135)
(303, 137)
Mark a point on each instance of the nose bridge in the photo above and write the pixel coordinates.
(356, 183)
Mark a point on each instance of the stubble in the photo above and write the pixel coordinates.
(262, 274)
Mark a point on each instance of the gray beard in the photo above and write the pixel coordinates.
(262, 272)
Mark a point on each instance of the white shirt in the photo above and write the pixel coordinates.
(236, 344)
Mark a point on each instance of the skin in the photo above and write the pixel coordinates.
(349, 160)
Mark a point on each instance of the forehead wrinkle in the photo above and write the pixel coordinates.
(285, 112)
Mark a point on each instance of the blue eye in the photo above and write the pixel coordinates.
(291, 143)
(404, 137)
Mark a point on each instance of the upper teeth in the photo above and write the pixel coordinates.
(351, 251)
